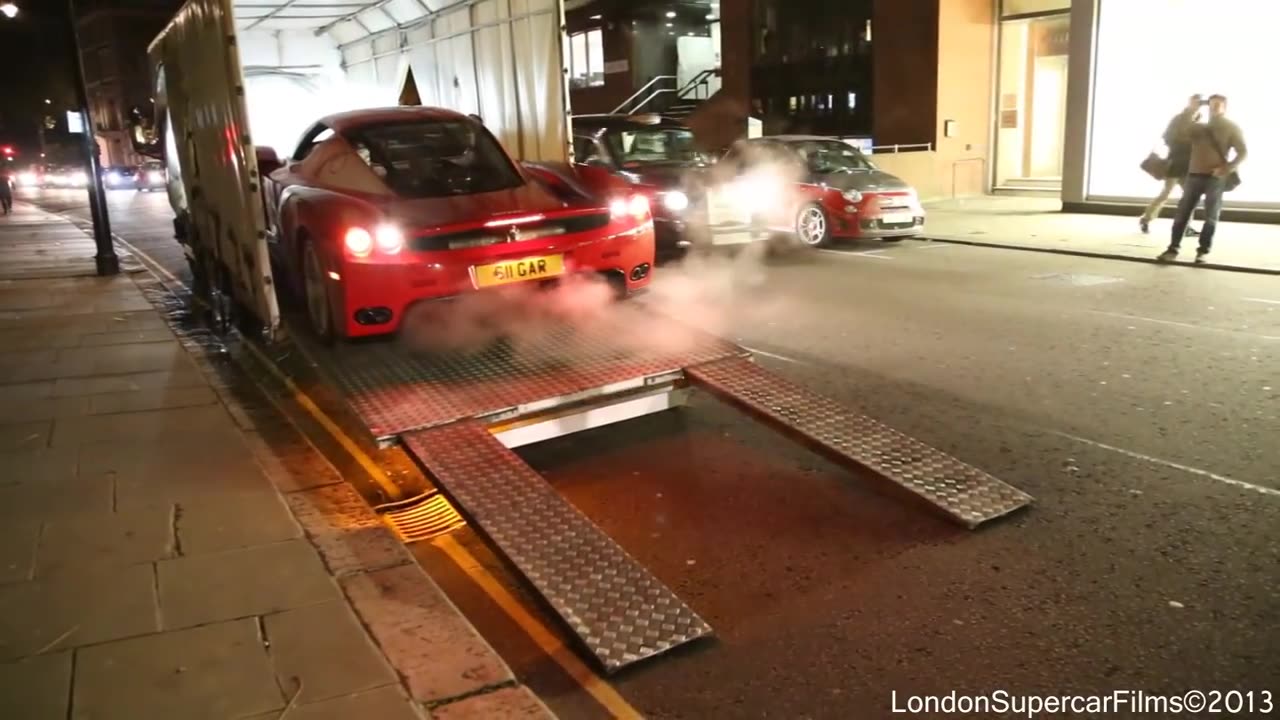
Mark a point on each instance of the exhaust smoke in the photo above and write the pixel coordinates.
(719, 286)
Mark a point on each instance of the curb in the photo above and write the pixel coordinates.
(1098, 254)
(445, 666)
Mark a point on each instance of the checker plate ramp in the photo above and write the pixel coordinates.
(621, 612)
(393, 389)
(961, 492)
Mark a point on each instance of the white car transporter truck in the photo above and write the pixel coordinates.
(230, 74)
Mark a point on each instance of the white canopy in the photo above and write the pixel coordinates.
(499, 59)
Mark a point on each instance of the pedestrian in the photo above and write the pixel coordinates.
(1177, 137)
(6, 192)
(1210, 173)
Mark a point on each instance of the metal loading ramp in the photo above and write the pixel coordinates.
(392, 389)
(621, 612)
(961, 492)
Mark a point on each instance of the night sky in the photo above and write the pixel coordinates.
(35, 64)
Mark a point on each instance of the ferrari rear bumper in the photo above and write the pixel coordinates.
(373, 298)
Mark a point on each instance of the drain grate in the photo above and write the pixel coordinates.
(424, 517)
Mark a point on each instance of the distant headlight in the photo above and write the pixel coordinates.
(675, 201)
(78, 179)
(852, 196)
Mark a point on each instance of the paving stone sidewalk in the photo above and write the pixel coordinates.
(170, 547)
(1038, 224)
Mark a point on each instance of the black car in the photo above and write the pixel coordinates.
(119, 177)
(656, 156)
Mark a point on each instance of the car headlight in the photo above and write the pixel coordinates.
(675, 201)
(155, 177)
(752, 195)
(27, 178)
(852, 196)
(113, 178)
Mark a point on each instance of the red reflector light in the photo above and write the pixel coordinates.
(359, 242)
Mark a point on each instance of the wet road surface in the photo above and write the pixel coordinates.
(1139, 404)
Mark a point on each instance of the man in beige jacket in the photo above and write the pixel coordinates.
(1210, 167)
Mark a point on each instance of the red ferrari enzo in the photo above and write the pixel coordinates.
(378, 210)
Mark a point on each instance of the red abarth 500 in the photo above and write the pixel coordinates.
(380, 209)
(821, 189)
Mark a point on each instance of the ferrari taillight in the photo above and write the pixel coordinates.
(389, 239)
(359, 242)
(637, 206)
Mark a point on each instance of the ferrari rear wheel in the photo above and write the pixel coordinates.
(812, 227)
(316, 289)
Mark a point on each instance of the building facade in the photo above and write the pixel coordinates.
(859, 69)
(114, 35)
(1058, 98)
(1133, 63)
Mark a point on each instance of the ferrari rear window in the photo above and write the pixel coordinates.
(435, 158)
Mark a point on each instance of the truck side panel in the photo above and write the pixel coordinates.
(204, 92)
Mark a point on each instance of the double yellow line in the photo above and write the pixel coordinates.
(542, 636)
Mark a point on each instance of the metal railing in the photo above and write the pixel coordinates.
(624, 107)
(701, 81)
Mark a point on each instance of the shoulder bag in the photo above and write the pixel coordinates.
(1232, 180)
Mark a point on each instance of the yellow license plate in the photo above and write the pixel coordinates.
(513, 271)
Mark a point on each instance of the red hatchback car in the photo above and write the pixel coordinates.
(378, 210)
(825, 190)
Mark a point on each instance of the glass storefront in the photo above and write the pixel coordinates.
(1031, 106)
(1153, 54)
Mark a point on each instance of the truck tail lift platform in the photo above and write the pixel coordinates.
(460, 415)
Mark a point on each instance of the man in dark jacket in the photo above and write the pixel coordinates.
(1208, 171)
(6, 192)
(1177, 136)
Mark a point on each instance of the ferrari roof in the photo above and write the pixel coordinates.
(346, 20)
(354, 119)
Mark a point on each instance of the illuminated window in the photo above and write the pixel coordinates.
(853, 100)
(1139, 87)
(586, 59)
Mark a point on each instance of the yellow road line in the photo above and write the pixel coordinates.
(591, 683)
(348, 444)
(548, 642)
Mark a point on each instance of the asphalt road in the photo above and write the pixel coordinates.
(1139, 404)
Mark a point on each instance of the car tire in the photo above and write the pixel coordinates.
(315, 290)
(812, 226)
(894, 239)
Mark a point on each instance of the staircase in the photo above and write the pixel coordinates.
(1029, 186)
(682, 109)
(661, 95)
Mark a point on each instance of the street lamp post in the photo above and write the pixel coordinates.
(106, 261)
